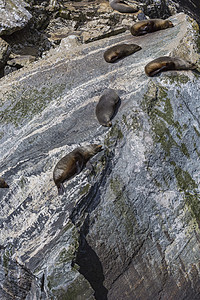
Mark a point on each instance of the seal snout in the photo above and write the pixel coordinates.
(99, 148)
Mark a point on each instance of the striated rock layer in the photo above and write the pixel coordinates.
(129, 229)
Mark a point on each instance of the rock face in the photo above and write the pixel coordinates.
(191, 7)
(13, 16)
(129, 229)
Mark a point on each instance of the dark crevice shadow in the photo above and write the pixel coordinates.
(87, 259)
(90, 265)
(196, 71)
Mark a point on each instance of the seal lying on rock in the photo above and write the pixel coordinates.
(107, 106)
(122, 6)
(3, 184)
(118, 51)
(151, 25)
(166, 63)
(72, 164)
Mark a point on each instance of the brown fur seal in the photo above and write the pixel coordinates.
(72, 164)
(3, 184)
(106, 107)
(166, 63)
(116, 52)
(122, 6)
(151, 25)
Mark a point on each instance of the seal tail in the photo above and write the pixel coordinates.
(61, 189)
(194, 66)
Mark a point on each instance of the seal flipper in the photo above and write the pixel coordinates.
(168, 66)
(157, 71)
(114, 58)
(61, 189)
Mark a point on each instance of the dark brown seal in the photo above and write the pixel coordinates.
(3, 184)
(151, 25)
(106, 107)
(166, 63)
(118, 51)
(72, 164)
(122, 6)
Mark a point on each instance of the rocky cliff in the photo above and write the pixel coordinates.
(129, 229)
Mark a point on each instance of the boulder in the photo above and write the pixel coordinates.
(129, 228)
(13, 16)
(4, 52)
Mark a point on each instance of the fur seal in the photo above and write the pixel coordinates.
(106, 107)
(72, 164)
(151, 25)
(122, 6)
(118, 51)
(3, 184)
(166, 63)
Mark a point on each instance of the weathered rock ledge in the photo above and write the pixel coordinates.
(131, 230)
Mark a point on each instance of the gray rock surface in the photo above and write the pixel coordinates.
(130, 228)
(13, 16)
(4, 52)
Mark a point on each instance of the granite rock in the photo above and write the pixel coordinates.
(13, 16)
(129, 228)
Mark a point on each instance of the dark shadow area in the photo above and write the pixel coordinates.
(192, 8)
(90, 265)
(196, 72)
(87, 259)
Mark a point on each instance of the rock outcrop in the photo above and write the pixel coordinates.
(129, 229)
(13, 16)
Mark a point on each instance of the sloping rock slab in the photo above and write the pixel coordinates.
(139, 212)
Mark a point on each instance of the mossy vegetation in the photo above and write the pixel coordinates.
(64, 260)
(121, 207)
(78, 289)
(162, 120)
(163, 125)
(178, 80)
(188, 185)
(85, 189)
(113, 135)
(30, 103)
(134, 122)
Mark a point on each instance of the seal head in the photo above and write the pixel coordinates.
(72, 164)
(119, 51)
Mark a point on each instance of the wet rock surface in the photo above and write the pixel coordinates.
(130, 227)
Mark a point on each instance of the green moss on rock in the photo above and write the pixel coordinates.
(113, 135)
(79, 289)
(30, 103)
(85, 189)
(121, 208)
(188, 185)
